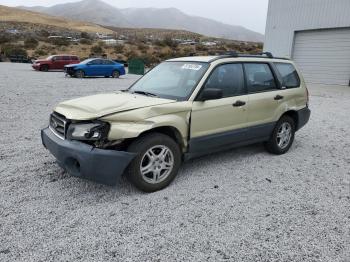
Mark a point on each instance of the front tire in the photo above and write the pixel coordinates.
(79, 74)
(44, 68)
(115, 74)
(157, 162)
(282, 137)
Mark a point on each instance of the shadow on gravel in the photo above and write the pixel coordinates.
(123, 187)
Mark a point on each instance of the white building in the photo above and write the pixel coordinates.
(314, 33)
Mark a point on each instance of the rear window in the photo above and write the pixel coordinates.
(290, 78)
(259, 77)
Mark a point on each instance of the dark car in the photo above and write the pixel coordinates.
(55, 62)
(95, 67)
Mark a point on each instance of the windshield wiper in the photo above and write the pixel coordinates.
(145, 93)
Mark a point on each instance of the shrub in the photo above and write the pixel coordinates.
(119, 49)
(31, 43)
(96, 49)
(143, 48)
(85, 41)
(10, 50)
(4, 38)
(85, 35)
(60, 41)
(40, 52)
(168, 41)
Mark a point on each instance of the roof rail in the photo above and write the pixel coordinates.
(230, 54)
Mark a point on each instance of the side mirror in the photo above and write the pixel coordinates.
(210, 94)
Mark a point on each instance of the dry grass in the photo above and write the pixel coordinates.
(9, 14)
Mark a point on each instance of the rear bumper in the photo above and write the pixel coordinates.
(303, 117)
(84, 161)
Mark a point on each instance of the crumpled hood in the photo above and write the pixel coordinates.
(96, 106)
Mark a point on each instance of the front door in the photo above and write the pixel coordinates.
(221, 122)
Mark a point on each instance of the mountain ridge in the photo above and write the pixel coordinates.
(99, 12)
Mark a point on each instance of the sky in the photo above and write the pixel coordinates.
(248, 13)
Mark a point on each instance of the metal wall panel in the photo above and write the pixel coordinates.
(323, 56)
(285, 17)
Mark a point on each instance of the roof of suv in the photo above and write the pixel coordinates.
(209, 59)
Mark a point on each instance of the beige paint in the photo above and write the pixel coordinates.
(130, 115)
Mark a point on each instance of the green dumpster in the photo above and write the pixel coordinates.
(136, 66)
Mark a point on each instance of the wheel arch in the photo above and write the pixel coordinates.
(170, 131)
(294, 115)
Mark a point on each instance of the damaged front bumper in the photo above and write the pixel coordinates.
(85, 161)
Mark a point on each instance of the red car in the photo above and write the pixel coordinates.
(55, 62)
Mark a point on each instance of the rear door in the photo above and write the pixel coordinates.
(265, 96)
(108, 67)
(66, 61)
(218, 123)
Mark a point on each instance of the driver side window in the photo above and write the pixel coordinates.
(229, 78)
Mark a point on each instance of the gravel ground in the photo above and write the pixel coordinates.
(240, 205)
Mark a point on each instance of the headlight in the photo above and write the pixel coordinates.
(88, 131)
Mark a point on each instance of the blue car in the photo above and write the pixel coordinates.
(95, 67)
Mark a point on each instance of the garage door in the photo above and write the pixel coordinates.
(323, 56)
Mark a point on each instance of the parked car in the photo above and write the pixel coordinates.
(55, 62)
(95, 67)
(181, 109)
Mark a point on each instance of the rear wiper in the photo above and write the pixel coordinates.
(145, 93)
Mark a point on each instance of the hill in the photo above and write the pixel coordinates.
(9, 14)
(99, 12)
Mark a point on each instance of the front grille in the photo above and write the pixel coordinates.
(58, 125)
(69, 70)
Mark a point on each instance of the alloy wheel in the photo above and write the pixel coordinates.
(157, 164)
(284, 135)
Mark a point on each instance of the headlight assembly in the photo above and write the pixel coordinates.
(88, 131)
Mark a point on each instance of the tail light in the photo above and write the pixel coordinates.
(307, 97)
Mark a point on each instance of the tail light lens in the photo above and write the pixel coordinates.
(307, 97)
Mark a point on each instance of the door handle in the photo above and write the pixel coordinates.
(278, 97)
(239, 103)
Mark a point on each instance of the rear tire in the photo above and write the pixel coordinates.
(282, 137)
(156, 164)
(44, 68)
(115, 74)
(79, 74)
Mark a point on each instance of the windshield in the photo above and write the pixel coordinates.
(50, 57)
(171, 80)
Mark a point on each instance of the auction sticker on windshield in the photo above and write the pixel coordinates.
(191, 67)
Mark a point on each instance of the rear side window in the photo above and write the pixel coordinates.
(289, 75)
(66, 58)
(229, 78)
(107, 62)
(74, 58)
(259, 77)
